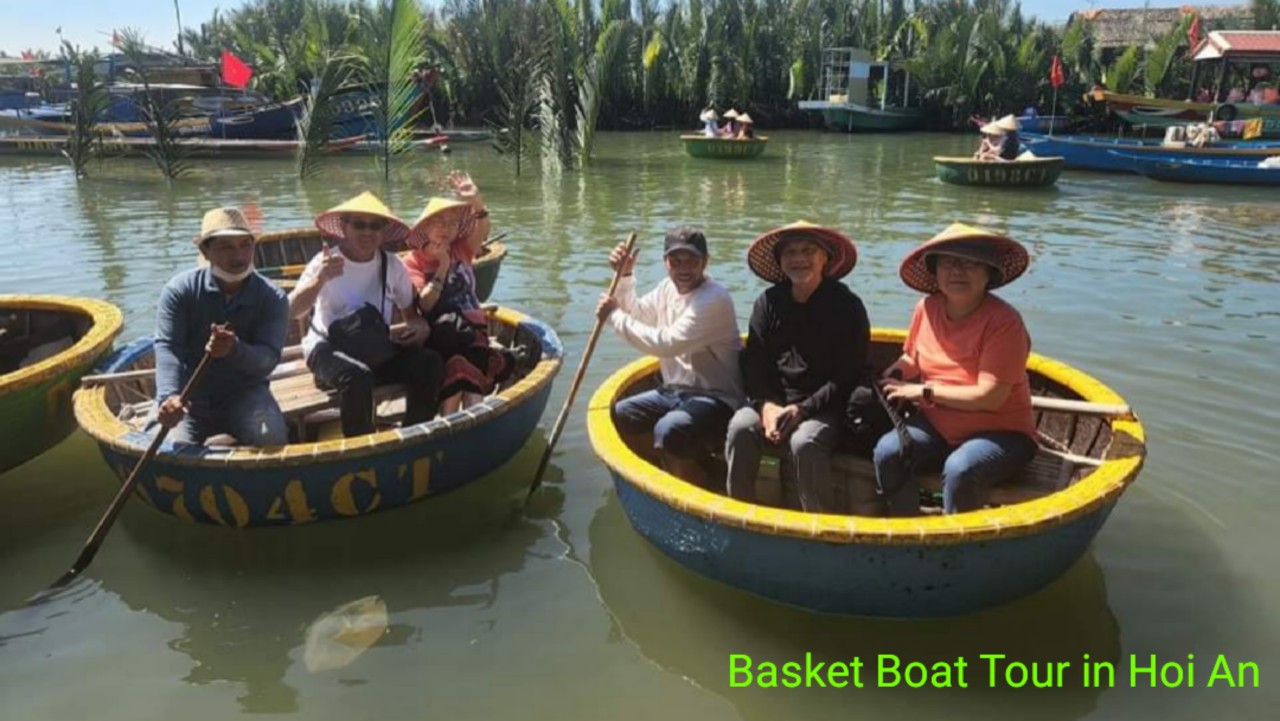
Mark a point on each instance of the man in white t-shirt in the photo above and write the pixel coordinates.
(339, 282)
(689, 323)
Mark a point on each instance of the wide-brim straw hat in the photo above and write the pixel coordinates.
(746, 119)
(454, 213)
(1006, 255)
(330, 221)
(709, 116)
(1009, 124)
(762, 256)
(991, 129)
(221, 222)
(731, 115)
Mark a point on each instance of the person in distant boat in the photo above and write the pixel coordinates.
(964, 367)
(447, 238)
(746, 127)
(239, 318)
(350, 292)
(689, 323)
(709, 127)
(805, 354)
(999, 140)
(730, 127)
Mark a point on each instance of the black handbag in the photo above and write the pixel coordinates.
(364, 334)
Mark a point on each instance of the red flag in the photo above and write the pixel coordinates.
(1193, 32)
(1056, 76)
(234, 72)
(116, 40)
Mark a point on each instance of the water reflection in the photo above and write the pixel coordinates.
(244, 601)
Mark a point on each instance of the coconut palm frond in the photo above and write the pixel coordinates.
(88, 108)
(600, 67)
(388, 68)
(319, 111)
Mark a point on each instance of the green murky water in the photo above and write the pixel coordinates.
(1170, 294)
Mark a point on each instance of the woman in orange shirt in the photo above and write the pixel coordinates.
(964, 364)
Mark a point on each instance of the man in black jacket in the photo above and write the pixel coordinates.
(805, 352)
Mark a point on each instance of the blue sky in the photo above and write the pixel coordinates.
(26, 24)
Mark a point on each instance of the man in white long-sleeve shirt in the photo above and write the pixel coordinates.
(688, 322)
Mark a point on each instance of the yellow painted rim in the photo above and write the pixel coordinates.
(705, 139)
(1100, 487)
(107, 323)
(956, 160)
(96, 418)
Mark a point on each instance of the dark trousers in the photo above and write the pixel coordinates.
(419, 369)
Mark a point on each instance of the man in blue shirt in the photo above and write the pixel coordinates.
(239, 318)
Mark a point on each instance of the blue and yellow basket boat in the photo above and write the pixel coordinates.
(317, 478)
(931, 565)
(47, 342)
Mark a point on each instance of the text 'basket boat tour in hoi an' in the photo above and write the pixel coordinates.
(1033, 529)
(46, 344)
(316, 478)
(283, 255)
(700, 146)
(1030, 172)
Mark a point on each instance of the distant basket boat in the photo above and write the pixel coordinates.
(700, 146)
(1203, 170)
(283, 256)
(46, 344)
(930, 565)
(1030, 173)
(314, 479)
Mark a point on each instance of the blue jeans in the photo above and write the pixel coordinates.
(968, 470)
(807, 459)
(252, 416)
(684, 424)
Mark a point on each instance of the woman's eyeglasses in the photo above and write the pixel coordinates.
(362, 224)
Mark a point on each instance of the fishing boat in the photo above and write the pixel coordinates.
(203, 148)
(700, 146)
(47, 343)
(1215, 171)
(1021, 173)
(319, 478)
(282, 256)
(1035, 528)
(863, 95)
(1217, 53)
(1091, 152)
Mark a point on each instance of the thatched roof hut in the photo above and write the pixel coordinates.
(1118, 29)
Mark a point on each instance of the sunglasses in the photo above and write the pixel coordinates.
(361, 224)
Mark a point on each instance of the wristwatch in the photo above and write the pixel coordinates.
(926, 393)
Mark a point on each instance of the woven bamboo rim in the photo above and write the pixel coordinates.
(956, 160)
(96, 419)
(107, 323)
(1089, 495)
(705, 139)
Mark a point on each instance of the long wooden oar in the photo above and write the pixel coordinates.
(577, 377)
(126, 489)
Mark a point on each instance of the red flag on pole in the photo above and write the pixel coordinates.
(1193, 32)
(234, 72)
(1056, 76)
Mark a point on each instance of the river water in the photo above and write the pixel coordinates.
(1170, 294)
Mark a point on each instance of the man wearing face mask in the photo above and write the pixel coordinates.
(239, 318)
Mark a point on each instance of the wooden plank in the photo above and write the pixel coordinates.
(1065, 405)
(291, 363)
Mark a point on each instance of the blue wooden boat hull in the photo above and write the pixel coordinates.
(864, 580)
(1094, 153)
(857, 564)
(309, 482)
(1218, 172)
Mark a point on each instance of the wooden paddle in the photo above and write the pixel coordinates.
(126, 489)
(577, 378)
